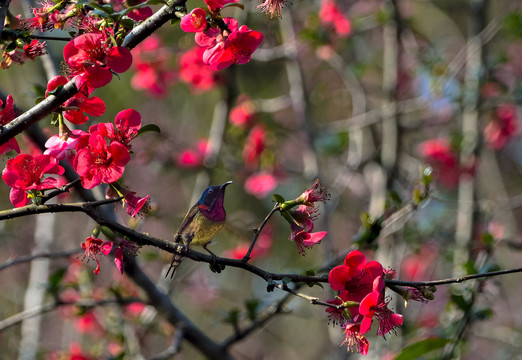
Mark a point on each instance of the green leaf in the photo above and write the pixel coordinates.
(252, 307)
(104, 8)
(278, 198)
(233, 317)
(10, 47)
(55, 280)
(461, 302)
(149, 127)
(414, 351)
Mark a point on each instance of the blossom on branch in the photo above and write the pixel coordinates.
(98, 162)
(235, 45)
(93, 247)
(92, 59)
(74, 109)
(24, 174)
(8, 114)
(362, 293)
(195, 21)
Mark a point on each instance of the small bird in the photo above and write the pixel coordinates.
(202, 222)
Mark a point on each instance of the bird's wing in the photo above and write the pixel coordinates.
(186, 232)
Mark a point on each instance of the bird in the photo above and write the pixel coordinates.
(201, 223)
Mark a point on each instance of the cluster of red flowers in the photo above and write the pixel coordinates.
(360, 300)
(302, 220)
(443, 156)
(225, 43)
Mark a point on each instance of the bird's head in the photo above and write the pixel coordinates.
(212, 197)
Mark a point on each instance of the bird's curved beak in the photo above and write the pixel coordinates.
(227, 183)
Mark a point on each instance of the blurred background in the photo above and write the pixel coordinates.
(363, 95)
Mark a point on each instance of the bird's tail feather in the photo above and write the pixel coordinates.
(176, 261)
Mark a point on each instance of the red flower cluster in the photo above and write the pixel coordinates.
(103, 152)
(502, 127)
(92, 59)
(225, 43)
(25, 175)
(195, 72)
(151, 61)
(302, 220)
(362, 292)
(444, 159)
(8, 114)
(75, 108)
(234, 45)
(331, 16)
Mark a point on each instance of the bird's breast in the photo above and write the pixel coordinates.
(204, 229)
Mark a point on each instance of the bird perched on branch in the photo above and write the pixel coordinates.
(202, 222)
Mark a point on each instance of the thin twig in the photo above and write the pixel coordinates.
(257, 232)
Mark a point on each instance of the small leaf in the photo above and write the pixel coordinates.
(149, 127)
(461, 302)
(416, 350)
(278, 198)
(55, 280)
(252, 307)
(233, 317)
(10, 47)
(286, 280)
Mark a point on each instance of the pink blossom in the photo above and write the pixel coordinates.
(261, 184)
(195, 72)
(8, 114)
(93, 247)
(80, 103)
(502, 127)
(331, 15)
(154, 73)
(62, 146)
(25, 173)
(97, 162)
(92, 59)
(272, 7)
(195, 21)
(254, 146)
(232, 46)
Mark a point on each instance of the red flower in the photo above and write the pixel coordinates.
(81, 103)
(272, 7)
(314, 194)
(92, 59)
(97, 162)
(354, 338)
(232, 46)
(243, 114)
(136, 205)
(62, 146)
(93, 247)
(331, 15)
(302, 227)
(445, 161)
(356, 275)
(195, 21)
(8, 114)
(502, 128)
(254, 146)
(125, 128)
(215, 5)
(151, 60)
(25, 173)
(195, 72)
(260, 184)
(194, 157)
